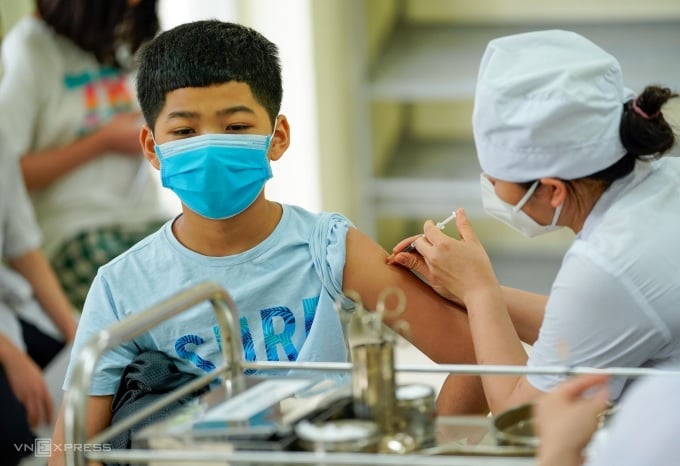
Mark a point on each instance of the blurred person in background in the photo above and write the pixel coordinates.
(69, 105)
(36, 319)
(643, 430)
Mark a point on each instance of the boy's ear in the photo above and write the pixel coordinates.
(280, 138)
(149, 146)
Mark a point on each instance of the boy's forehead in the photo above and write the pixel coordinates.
(219, 98)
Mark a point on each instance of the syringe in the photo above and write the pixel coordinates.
(439, 225)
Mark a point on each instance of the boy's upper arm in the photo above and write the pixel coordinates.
(437, 327)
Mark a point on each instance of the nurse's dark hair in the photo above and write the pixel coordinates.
(645, 137)
(207, 53)
(101, 27)
(645, 133)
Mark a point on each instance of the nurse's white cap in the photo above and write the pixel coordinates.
(547, 104)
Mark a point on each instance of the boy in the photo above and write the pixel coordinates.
(210, 93)
(29, 291)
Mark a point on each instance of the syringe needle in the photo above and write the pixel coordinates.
(443, 223)
(439, 225)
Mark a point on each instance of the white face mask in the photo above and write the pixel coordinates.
(514, 216)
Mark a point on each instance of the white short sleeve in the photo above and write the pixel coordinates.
(20, 232)
(593, 319)
(25, 59)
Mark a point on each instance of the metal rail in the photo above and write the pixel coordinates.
(468, 369)
(75, 410)
(75, 400)
(294, 458)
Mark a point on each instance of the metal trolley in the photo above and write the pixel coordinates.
(234, 382)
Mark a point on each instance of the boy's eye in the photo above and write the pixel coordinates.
(238, 127)
(182, 131)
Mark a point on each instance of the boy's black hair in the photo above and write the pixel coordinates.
(100, 27)
(205, 53)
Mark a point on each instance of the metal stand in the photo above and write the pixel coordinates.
(75, 414)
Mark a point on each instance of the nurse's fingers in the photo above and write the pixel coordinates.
(404, 243)
(464, 226)
(413, 262)
(431, 232)
(434, 234)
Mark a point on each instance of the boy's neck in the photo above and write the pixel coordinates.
(218, 238)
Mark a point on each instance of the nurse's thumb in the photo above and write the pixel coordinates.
(464, 226)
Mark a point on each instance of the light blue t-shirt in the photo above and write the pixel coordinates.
(284, 290)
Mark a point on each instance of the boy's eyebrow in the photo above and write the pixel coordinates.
(182, 114)
(224, 112)
(235, 109)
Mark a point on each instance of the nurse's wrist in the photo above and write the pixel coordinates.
(481, 286)
(482, 295)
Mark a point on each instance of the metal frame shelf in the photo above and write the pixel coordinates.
(75, 411)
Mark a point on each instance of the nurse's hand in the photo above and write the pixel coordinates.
(414, 261)
(453, 268)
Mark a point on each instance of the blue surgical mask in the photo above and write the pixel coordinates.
(217, 176)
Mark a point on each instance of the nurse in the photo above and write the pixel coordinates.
(563, 144)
